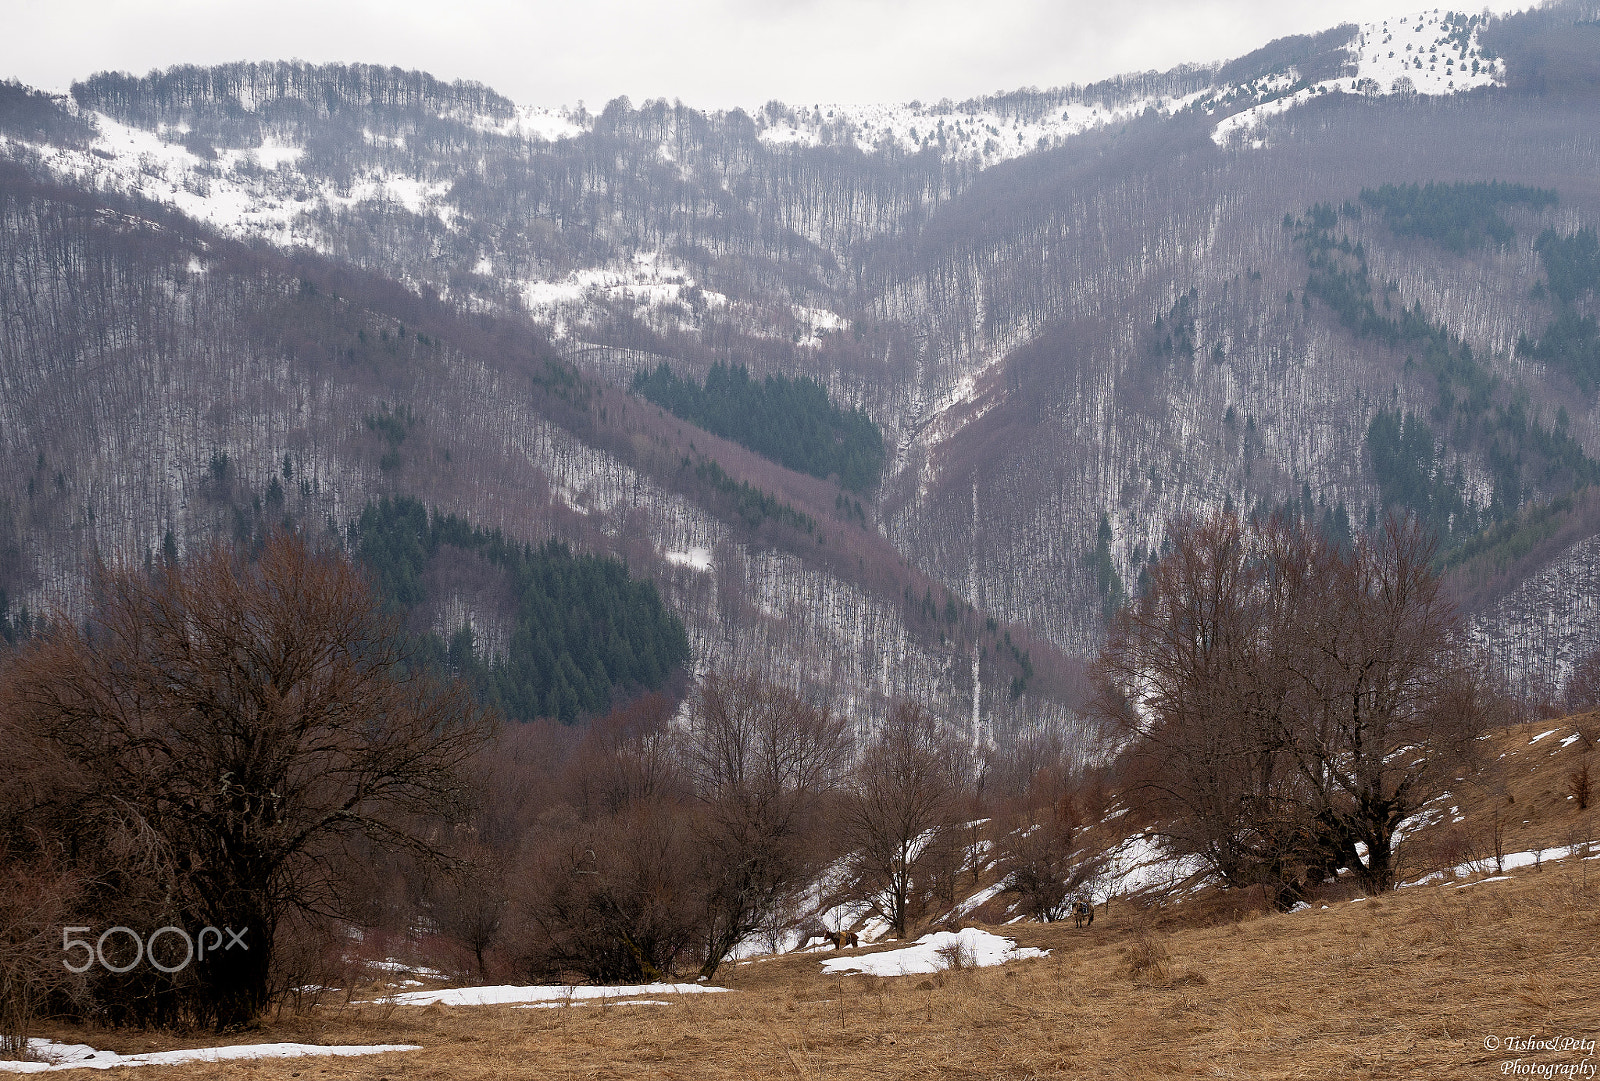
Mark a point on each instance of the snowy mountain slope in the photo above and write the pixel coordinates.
(994, 308)
(968, 132)
(159, 381)
(1420, 53)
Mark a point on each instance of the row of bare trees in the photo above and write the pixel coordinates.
(664, 845)
(231, 771)
(1287, 704)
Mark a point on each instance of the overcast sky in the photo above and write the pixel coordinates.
(709, 53)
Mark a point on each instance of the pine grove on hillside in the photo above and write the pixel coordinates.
(790, 421)
(584, 632)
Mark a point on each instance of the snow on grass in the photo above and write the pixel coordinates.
(979, 899)
(1542, 735)
(397, 967)
(247, 193)
(1570, 740)
(533, 122)
(591, 1001)
(930, 953)
(557, 993)
(1511, 861)
(53, 1056)
(656, 289)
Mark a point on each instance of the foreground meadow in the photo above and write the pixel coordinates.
(1418, 983)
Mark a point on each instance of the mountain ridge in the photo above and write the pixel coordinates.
(995, 314)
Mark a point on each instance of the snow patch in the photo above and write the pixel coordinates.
(698, 559)
(497, 996)
(957, 133)
(1421, 53)
(53, 1056)
(979, 949)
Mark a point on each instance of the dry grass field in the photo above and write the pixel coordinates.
(1423, 982)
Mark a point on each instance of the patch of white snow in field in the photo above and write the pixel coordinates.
(979, 949)
(648, 283)
(497, 996)
(955, 132)
(591, 1001)
(1570, 740)
(533, 122)
(77, 1056)
(1481, 881)
(1509, 862)
(1542, 735)
(391, 965)
(1140, 863)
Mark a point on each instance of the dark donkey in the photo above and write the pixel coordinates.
(1082, 914)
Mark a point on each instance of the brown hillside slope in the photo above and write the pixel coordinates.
(1435, 980)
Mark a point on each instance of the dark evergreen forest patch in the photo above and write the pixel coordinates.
(1571, 343)
(585, 632)
(1457, 217)
(790, 421)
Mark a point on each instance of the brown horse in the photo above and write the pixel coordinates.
(1083, 914)
(843, 939)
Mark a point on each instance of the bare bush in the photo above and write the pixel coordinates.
(1040, 865)
(34, 902)
(1147, 958)
(956, 957)
(1578, 786)
(606, 886)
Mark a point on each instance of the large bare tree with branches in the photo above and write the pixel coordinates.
(760, 759)
(1286, 702)
(235, 731)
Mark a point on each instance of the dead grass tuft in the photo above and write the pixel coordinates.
(1146, 959)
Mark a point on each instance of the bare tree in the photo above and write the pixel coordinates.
(1192, 677)
(1040, 865)
(235, 729)
(906, 790)
(1386, 705)
(1289, 703)
(606, 886)
(468, 897)
(760, 759)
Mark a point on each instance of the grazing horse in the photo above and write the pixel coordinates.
(1082, 914)
(842, 939)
